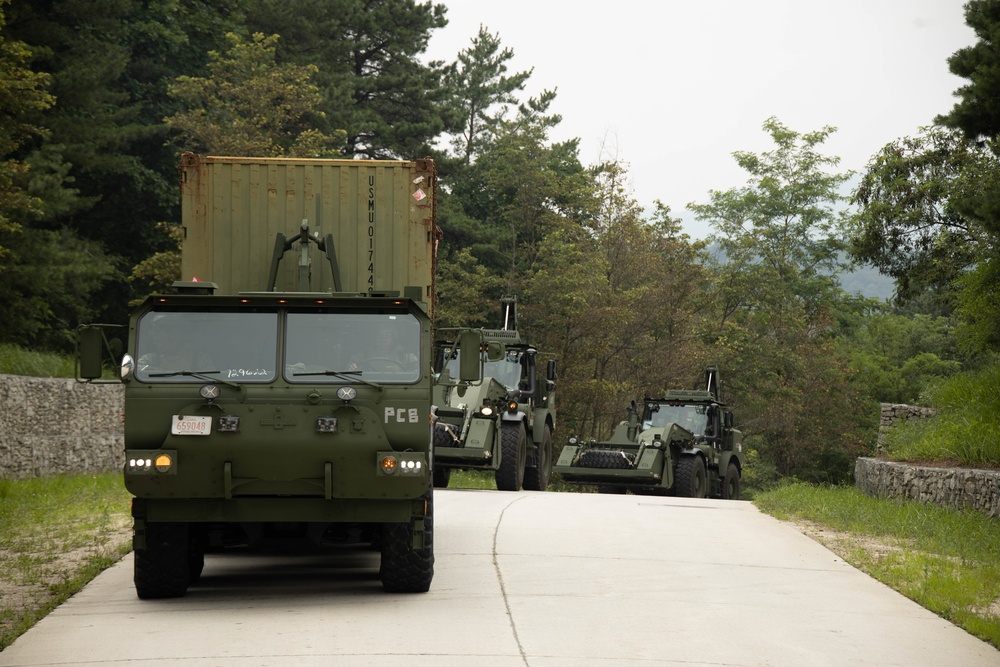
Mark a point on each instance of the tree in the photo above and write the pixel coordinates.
(482, 92)
(371, 78)
(779, 239)
(977, 113)
(929, 218)
(23, 94)
(250, 105)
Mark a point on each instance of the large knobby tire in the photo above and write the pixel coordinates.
(405, 569)
(442, 477)
(163, 567)
(731, 483)
(537, 478)
(608, 459)
(692, 478)
(443, 437)
(513, 456)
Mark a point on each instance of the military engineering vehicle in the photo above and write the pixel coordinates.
(263, 402)
(503, 422)
(683, 444)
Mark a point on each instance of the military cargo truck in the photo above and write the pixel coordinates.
(266, 402)
(503, 422)
(683, 443)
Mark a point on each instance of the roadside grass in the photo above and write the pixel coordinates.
(16, 360)
(947, 561)
(56, 534)
(966, 430)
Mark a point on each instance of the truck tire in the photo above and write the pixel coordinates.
(692, 478)
(405, 569)
(442, 476)
(163, 567)
(513, 454)
(537, 477)
(608, 459)
(731, 483)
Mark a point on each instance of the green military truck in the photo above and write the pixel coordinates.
(266, 401)
(504, 421)
(682, 444)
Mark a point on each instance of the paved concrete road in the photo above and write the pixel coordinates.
(524, 579)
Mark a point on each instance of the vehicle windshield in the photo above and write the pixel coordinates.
(235, 345)
(694, 418)
(342, 348)
(506, 371)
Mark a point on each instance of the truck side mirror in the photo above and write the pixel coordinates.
(550, 371)
(89, 352)
(470, 363)
(495, 350)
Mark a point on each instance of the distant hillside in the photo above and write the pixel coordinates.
(865, 279)
(869, 282)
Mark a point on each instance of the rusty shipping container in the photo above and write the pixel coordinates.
(380, 214)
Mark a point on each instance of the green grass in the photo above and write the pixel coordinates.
(56, 534)
(966, 430)
(947, 561)
(18, 361)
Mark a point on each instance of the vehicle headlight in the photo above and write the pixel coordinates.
(127, 367)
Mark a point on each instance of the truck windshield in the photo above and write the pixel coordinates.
(341, 347)
(227, 344)
(694, 418)
(506, 371)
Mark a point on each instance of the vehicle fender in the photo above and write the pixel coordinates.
(513, 417)
(728, 457)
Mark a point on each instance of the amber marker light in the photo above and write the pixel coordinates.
(163, 463)
(388, 464)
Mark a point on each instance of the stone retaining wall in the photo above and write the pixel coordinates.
(893, 413)
(55, 425)
(959, 488)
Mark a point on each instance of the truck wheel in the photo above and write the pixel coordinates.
(537, 478)
(692, 479)
(608, 459)
(405, 569)
(442, 476)
(731, 483)
(163, 568)
(513, 455)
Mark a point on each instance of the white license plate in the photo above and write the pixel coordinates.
(188, 425)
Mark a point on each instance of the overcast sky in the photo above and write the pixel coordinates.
(673, 88)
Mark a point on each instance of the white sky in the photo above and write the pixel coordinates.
(673, 88)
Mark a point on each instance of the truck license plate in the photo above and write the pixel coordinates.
(191, 425)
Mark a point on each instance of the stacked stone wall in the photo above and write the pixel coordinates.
(893, 413)
(958, 488)
(53, 426)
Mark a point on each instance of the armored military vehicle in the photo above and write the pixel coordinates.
(683, 443)
(263, 402)
(503, 422)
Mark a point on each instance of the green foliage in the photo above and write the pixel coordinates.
(966, 429)
(481, 92)
(22, 94)
(896, 358)
(372, 78)
(925, 206)
(774, 301)
(16, 360)
(977, 113)
(250, 105)
(47, 288)
(944, 560)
